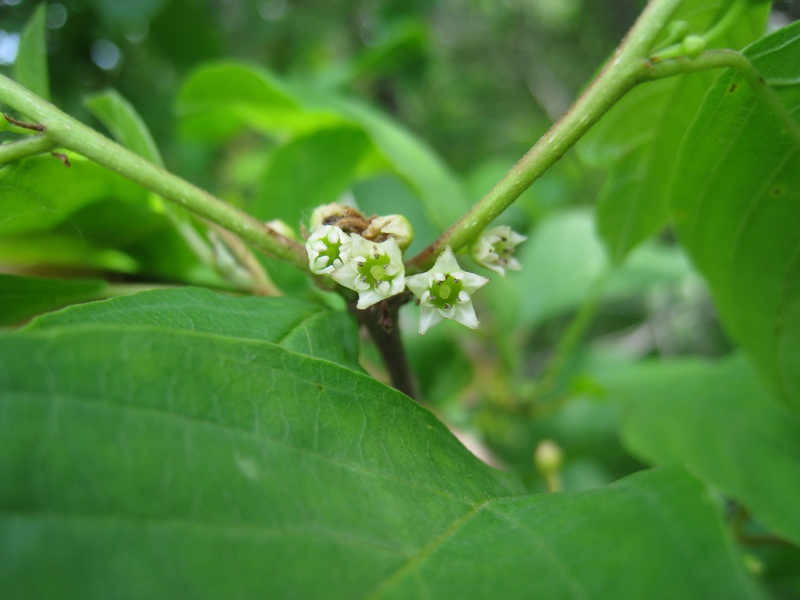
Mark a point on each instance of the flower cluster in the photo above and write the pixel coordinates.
(366, 256)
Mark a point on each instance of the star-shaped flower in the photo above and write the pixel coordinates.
(374, 269)
(495, 248)
(328, 249)
(445, 292)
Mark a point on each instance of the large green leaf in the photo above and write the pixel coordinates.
(298, 326)
(639, 138)
(580, 545)
(735, 200)
(717, 420)
(176, 444)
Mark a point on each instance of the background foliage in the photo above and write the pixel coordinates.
(185, 442)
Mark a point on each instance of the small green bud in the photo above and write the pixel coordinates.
(390, 226)
(548, 457)
(282, 228)
(678, 30)
(753, 564)
(693, 46)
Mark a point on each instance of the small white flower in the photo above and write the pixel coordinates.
(495, 247)
(328, 249)
(374, 269)
(445, 292)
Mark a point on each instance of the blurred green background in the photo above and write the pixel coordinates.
(475, 78)
(479, 81)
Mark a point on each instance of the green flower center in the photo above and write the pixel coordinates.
(373, 269)
(444, 294)
(332, 250)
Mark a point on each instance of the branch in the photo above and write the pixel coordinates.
(726, 59)
(65, 132)
(620, 75)
(24, 148)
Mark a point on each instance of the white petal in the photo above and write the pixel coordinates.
(346, 276)
(428, 317)
(446, 263)
(472, 282)
(418, 284)
(513, 264)
(465, 314)
(398, 285)
(447, 312)
(368, 298)
(359, 246)
(495, 267)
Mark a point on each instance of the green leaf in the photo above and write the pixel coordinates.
(717, 420)
(179, 443)
(219, 100)
(24, 297)
(63, 250)
(735, 208)
(298, 326)
(561, 260)
(124, 123)
(174, 444)
(411, 158)
(639, 138)
(39, 193)
(30, 68)
(571, 546)
(310, 170)
(564, 259)
(88, 216)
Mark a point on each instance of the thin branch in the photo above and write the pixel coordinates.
(24, 148)
(619, 76)
(73, 135)
(730, 59)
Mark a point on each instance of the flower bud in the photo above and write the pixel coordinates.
(548, 457)
(327, 214)
(678, 30)
(282, 228)
(693, 46)
(390, 226)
